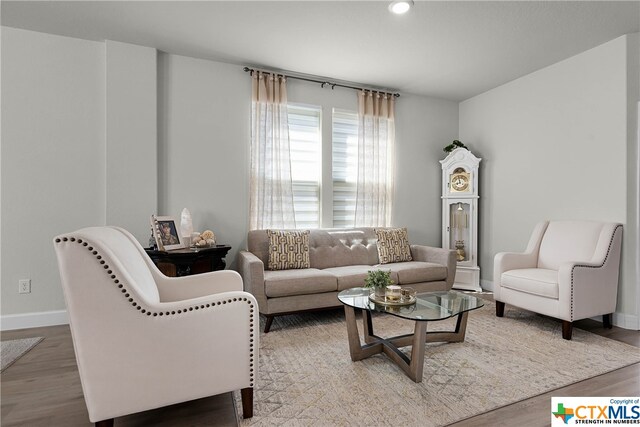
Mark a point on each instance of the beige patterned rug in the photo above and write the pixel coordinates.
(12, 350)
(306, 376)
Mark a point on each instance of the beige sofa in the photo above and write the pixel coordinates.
(339, 259)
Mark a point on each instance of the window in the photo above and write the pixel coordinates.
(305, 145)
(305, 139)
(344, 167)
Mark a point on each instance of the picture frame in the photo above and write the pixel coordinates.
(166, 233)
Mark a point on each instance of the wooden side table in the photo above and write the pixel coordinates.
(184, 262)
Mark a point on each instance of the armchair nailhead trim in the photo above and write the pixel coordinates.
(613, 235)
(156, 314)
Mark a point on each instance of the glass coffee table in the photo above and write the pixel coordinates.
(429, 306)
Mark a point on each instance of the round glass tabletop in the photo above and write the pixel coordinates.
(437, 305)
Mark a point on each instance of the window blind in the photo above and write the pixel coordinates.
(344, 166)
(306, 163)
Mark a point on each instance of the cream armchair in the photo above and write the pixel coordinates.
(143, 340)
(569, 271)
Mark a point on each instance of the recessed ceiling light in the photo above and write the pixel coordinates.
(400, 6)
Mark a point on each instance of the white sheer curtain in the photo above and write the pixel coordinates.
(271, 191)
(376, 140)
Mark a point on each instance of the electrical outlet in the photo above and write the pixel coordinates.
(24, 286)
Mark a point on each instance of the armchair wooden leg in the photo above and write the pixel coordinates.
(567, 328)
(607, 320)
(247, 402)
(267, 324)
(105, 423)
(499, 309)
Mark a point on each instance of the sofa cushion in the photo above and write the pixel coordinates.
(327, 247)
(342, 247)
(393, 245)
(288, 249)
(283, 283)
(417, 271)
(536, 281)
(352, 276)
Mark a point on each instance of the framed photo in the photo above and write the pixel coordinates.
(166, 233)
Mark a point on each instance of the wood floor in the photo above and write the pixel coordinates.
(43, 389)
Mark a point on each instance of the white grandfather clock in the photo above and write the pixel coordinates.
(460, 215)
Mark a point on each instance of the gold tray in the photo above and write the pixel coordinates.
(383, 301)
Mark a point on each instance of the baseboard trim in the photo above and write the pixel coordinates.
(487, 285)
(626, 321)
(52, 318)
(10, 322)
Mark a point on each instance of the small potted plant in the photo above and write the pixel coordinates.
(378, 280)
(455, 144)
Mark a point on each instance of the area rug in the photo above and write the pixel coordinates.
(306, 376)
(12, 350)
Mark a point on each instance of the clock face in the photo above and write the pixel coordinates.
(460, 182)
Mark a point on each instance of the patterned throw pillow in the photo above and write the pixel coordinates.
(393, 245)
(288, 249)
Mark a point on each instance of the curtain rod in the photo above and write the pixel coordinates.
(322, 82)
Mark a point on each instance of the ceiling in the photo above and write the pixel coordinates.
(446, 49)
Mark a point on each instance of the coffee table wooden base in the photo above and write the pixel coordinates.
(391, 346)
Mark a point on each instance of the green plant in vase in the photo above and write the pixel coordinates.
(378, 280)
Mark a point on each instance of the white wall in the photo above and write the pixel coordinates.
(632, 246)
(131, 135)
(78, 140)
(538, 136)
(53, 143)
(78, 149)
(204, 111)
(424, 127)
(554, 146)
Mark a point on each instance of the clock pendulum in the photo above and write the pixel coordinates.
(460, 223)
(460, 254)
